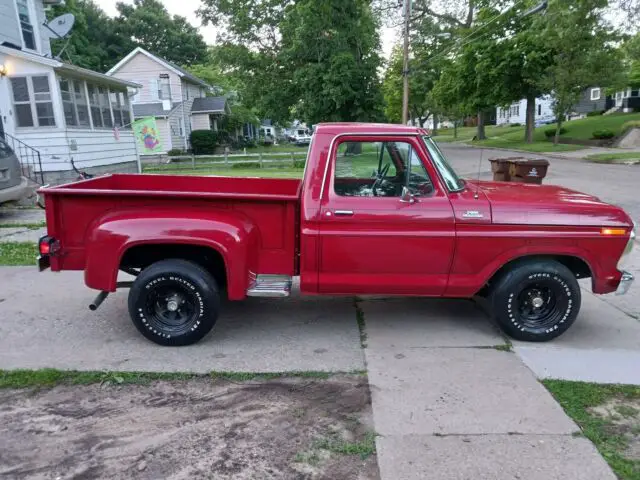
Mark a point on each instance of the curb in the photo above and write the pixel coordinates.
(546, 154)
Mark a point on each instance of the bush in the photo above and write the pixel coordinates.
(630, 124)
(299, 164)
(603, 134)
(174, 152)
(551, 132)
(203, 142)
(595, 113)
(515, 124)
(246, 165)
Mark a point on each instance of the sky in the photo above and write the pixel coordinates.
(187, 8)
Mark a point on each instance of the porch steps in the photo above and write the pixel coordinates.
(270, 286)
(612, 110)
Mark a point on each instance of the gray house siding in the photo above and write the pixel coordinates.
(10, 31)
(45, 34)
(586, 105)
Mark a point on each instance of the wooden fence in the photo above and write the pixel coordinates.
(262, 159)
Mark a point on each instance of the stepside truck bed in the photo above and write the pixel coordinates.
(77, 212)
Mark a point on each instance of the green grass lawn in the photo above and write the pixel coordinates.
(609, 416)
(284, 147)
(18, 253)
(285, 172)
(615, 157)
(536, 146)
(512, 137)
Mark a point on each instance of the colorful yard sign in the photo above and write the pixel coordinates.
(147, 135)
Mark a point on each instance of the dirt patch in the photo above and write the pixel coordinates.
(623, 417)
(288, 428)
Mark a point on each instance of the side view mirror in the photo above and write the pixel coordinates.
(407, 196)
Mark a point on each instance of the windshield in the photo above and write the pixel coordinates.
(451, 178)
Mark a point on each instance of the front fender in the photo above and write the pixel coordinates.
(232, 235)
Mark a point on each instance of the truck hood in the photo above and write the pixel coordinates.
(519, 203)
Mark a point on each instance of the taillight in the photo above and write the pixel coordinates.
(48, 245)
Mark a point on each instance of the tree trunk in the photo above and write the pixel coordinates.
(434, 131)
(556, 138)
(354, 148)
(481, 134)
(530, 118)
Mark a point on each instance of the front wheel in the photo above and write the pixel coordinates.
(536, 300)
(174, 302)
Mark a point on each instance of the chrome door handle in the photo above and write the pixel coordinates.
(344, 213)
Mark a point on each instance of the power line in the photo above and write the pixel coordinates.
(493, 19)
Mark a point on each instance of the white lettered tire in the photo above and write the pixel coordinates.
(536, 300)
(174, 302)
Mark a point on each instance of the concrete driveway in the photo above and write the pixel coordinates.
(46, 322)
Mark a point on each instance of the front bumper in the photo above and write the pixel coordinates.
(625, 283)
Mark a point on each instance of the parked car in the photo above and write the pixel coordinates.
(13, 186)
(414, 227)
(300, 136)
(545, 120)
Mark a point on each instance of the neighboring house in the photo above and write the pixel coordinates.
(52, 111)
(594, 99)
(517, 111)
(176, 98)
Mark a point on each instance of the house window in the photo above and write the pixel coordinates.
(539, 109)
(26, 26)
(32, 101)
(94, 103)
(595, 94)
(126, 112)
(74, 103)
(116, 108)
(100, 106)
(164, 88)
(103, 95)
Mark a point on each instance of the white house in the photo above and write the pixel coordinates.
(176, 98)
(517, 111)
(52, 111)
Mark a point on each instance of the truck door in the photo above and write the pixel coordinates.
(387, 225)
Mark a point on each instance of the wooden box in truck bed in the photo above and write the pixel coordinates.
(75, 210)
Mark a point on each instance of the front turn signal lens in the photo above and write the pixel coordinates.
(613, 231)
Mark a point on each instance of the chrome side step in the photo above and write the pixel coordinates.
(270, 286)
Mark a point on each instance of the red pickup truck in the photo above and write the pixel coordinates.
(379, 211)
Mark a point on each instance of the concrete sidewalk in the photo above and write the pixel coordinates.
(447, 405)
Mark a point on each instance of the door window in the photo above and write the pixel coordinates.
(379, 169)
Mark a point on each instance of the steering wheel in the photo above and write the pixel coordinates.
(379, 178)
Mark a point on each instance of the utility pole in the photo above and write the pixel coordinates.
(406, 7)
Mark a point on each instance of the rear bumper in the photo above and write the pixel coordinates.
(625, 283)
(17, 192)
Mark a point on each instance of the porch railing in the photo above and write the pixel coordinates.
(29, 157)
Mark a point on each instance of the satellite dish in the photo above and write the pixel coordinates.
(62, 25)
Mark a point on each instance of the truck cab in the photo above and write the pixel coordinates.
(379, 211)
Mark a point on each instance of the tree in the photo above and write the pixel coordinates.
(148, 24)
(584, 53)
(317, 61)
(526, 54)
(93, 42)
(474, 80)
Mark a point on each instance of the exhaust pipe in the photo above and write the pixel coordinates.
(93, 306)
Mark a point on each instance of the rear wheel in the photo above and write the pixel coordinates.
(536, 300)
(174, 302)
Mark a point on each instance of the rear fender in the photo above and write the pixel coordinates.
(230, 234)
